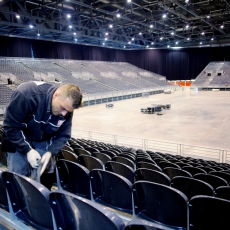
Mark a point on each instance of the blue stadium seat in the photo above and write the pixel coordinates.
(111, 189)
(73, 178)
(73, 213)
(161, 204)
(29, 200)
(208, 213)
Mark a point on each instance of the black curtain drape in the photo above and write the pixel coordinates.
(183, 64)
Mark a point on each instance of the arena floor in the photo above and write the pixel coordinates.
(200, 118)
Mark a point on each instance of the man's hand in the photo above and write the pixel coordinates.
(44, 161)
(33, 158)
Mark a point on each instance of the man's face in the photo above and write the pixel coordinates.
(61, 106)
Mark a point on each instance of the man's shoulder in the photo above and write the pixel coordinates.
(34, 87)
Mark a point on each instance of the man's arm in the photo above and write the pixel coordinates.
(58, 141)
(15, 121)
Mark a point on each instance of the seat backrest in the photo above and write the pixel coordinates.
(70, 156)
(112, 190)
(173, 172)
(152, 176)
(139, 224)
(101, 156)
(72, 212)
(90, 162)
(213, 180)
(3, 197)
(165, 205)
(206, 169)
(223, 192)
(73, 178)
(120, 169)
(224, 175)
(80, 151)
(145, 159)
(193, 170)
(29, 200)
(164, 164)
(124, 161)
(147, 165)
(208, 213)
(109, 152)
(192, 187)
(128, 156)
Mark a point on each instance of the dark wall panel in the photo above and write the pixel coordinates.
(183, 64)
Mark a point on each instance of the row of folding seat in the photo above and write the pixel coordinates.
(164, 207)
(34, 205)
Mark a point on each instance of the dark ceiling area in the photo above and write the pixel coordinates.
(125, 24)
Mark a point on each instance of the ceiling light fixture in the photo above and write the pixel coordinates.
(70, 26)
(17, 16)
(118, 15)
(172, 33)
(132, 39)
(31, 26)
(68, 16)
(164, 15)
(151, 26)
(110, 26)
(74, 33)
(140, 33)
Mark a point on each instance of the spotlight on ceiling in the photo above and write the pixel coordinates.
(151, 26)
(17, 16)
(118, 15)
(31, 26)
(110, 26)
(164, 15)
(68, 16)
(172, 33)
(74, 33)
(140, 33)
(70, 26)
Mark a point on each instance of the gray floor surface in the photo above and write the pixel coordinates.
(200, 118)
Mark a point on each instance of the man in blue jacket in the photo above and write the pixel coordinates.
(37, 124)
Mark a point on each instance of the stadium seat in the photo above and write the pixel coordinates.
(120, 169)
(224, 175)
(124, 161)
(152, 176)
(29, 200)
(174, 172)
(165, 205)
(193, 170)
(213, 180)
(139, 224)
(223, 192)
(80, 151)
(3, 196)
(208, 213)
(164, 164)
(206, 169)
(70, 156)
(192, 187)
(147, 165)
(74, 213)
(90, 162)
(111, 190)
(101, 156)
(73, 178)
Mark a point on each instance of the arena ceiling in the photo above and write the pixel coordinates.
(119, 24)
